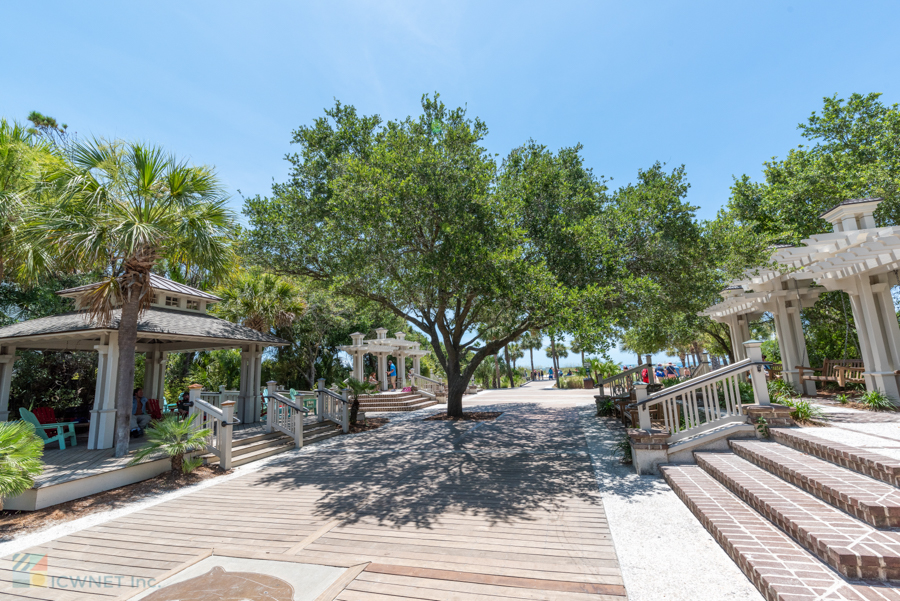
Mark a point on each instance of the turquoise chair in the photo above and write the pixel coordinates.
(60, 427)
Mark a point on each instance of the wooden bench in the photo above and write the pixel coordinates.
(842, 371)
(773, 372)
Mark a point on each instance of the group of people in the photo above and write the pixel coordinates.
(538, 374)
(664, 372)
(140, 412)
(391, 376)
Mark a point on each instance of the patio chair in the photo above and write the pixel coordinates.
(45, 415)
(59, 427)
(153, 409)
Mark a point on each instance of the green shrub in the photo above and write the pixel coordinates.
(877, 401)
(843, 399)
(624, 447)
(605, 408)
(762, 426)
(175, 438)
(570, 382)
(20, 458)
(802, 410)
(745, 389)
(670, 382)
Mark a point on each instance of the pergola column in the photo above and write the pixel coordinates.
(791, 343)
(873, 312)
(416, 365)
(249, 394)
(101, 434)
(7, 360)
(401, 368)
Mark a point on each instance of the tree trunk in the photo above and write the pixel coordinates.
(456, 387)
(125, 385)
(512, 383)
(177, 463)
(354, 410)
(497, 370)
(531, 353)
(555, 359)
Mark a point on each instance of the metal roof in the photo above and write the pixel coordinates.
(158, 283)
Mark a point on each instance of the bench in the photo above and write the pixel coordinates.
(773, 371)
(842, 371)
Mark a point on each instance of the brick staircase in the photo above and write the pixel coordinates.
(804, 518)
(394, 401)
(260, 446)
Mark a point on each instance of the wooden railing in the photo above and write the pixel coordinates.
(622, 383)
(704, 402)
(427, 386)
(333, 406)
(219, 422)
(284, 415)
(217, 398)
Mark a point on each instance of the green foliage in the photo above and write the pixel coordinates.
(20, 458)
(781, 391)
(802, 410)
(624, 447)
(876, 400)
(762, 426)
(189, 465)
(261, 301)
(843, 399)
(571, 382)
(357, 387)
(668, 382)
(174, 437)
(745, 390)
(605, 407)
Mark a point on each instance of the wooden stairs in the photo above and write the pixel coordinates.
(254, 448)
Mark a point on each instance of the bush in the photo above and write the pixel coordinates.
(877, 401)
(843, 399)
(175, 438)
(570, 382)
(666, 383)
(624, 447)
(605, 408)
(802, 410)
(20, 458)
(745, 389)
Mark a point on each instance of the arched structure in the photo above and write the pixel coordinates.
(381, 346)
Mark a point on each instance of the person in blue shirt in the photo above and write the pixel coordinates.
(140, 417)
(659, 372)
(392, 374)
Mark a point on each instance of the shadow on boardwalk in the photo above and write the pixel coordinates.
(529, 464)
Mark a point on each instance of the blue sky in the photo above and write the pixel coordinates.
(716, 86)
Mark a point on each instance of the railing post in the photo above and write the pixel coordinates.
(225, 428)
(345, 411)
(272, 407)
(757, 373)
(320, 400)
(194, 395)
(640, 393)
(651, 373)
(298, 429)
(221, 394)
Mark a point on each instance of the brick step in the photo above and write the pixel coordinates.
(853, 548)
(780, 568)
(870, 500)
(389, 408)
(880, 467)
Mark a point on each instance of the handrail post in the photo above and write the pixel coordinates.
(225, 437)
(640, 393)
(221, 394)
(298, 429)
(272, 408)
(651, 373)
(757, 375)
(320, 400)
(345, 411)
(194, 395)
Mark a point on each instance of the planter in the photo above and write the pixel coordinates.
(588, 383)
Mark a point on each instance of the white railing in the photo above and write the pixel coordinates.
(284, 415)
(219, 422)
(427, 386)
(703, 402)
(217, 398)
(622, 383)
(700, 370)
(333, 406)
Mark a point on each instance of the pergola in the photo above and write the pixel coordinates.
(381, 347)
(176, 321)
(857, 258)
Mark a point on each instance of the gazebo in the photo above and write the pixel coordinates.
(176, 321)
(857, 258)
(382, 346)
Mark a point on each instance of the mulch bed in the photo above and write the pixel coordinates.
(17, 522)
(478, 416)
(371, 424)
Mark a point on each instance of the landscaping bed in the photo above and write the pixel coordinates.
(371, 423)
(13, 523)
(478, 416)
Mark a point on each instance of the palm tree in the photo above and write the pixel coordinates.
(261, 301)
(174, 437)
(20, 458)
(128, 207)
(357, 387)
(532, 341)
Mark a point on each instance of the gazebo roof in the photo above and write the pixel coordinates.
(75, 330)
(157, 282)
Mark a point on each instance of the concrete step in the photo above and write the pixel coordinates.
(853, 548)
(880, 467)
(780, 568)
(869, 500)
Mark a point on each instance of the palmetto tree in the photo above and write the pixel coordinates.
(174, 437)
(127, 207)
(20, 458)
(531, 341)
(357, 387)
(261, 301)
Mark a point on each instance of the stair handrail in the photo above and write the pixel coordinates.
(430, 388)
(284, 415)
(426, 378)
(706, 402)
(627, 377)
(333, 406)
(217, 420)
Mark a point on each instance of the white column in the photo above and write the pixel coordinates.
(150, 379)
(161, 376)
(7, 360)
(417, 365)
(401, 368)
(881, 334)
(358, 363)
(382, 370)
(101, 434)
(257, 384)
(245, 401)
(791, 343)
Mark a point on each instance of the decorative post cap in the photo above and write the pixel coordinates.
(271, 382)
(400, 335)
(200, 386)
(754, 349)
(641, 385)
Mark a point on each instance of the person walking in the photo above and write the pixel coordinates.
(392, 374)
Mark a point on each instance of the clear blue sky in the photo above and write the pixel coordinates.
(717, 86)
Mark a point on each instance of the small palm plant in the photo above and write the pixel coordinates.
(357, 388)
(20, 458)
(174, 437)
(877, 401)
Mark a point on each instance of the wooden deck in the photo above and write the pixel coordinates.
(415, 510)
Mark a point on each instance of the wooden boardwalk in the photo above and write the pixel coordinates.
(416, 510)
